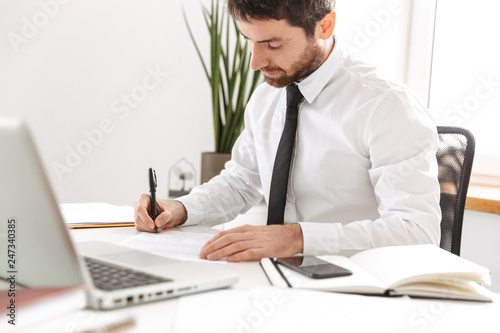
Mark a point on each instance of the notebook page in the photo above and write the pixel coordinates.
(399, 263)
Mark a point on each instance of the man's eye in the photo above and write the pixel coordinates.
(274, 46)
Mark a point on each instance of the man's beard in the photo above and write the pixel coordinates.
(309, 61)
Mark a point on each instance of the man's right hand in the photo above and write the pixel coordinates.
(170, 214)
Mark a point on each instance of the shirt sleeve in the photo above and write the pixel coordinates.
(402, 143)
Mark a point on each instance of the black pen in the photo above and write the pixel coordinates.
(152, 192)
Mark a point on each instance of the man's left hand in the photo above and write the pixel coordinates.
(248, 243)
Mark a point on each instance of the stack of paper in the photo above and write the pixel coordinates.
(94, 215)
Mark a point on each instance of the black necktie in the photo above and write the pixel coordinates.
(281, 170)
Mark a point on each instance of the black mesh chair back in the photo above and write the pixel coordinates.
(454, 156)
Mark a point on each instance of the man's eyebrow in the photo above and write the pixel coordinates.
(274, 39)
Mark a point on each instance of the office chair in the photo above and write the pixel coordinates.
(454, 156)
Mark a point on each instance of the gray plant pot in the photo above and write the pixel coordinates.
(212, 164)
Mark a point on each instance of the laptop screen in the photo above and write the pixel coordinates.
(35, 247)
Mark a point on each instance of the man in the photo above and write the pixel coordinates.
(363, 171)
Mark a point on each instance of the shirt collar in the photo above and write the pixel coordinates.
(312, 85)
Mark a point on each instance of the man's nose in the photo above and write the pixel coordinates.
(258, 57)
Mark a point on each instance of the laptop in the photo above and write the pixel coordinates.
(43, 255)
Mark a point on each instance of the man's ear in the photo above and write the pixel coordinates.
(327, 25)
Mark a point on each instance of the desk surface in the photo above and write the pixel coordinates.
(149, 317)
(248, 306)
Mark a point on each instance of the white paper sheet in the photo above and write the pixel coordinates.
(173, 244)
(96, 213)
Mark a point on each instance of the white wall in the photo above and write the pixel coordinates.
(66, 66)
(72, 73)
(378, 31)
(480, 242)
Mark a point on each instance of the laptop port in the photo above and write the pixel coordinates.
(170, 291)
(159, 293)
(130, 299)
(118, 301)
(141, 297)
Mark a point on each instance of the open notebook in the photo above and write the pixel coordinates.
(414, 270)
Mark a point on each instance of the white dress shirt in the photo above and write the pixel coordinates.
(364, 169)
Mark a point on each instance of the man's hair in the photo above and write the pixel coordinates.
(299, 13)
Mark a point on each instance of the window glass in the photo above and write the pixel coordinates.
(465, 79)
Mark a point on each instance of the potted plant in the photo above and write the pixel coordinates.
(231, 80)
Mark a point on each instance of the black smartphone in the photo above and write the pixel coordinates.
(313, 267)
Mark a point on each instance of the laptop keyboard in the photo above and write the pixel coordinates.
(111, 277)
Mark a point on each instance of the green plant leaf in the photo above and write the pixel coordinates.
(229, 77)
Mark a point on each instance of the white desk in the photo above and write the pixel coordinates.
(245, 307)
(150, 317)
